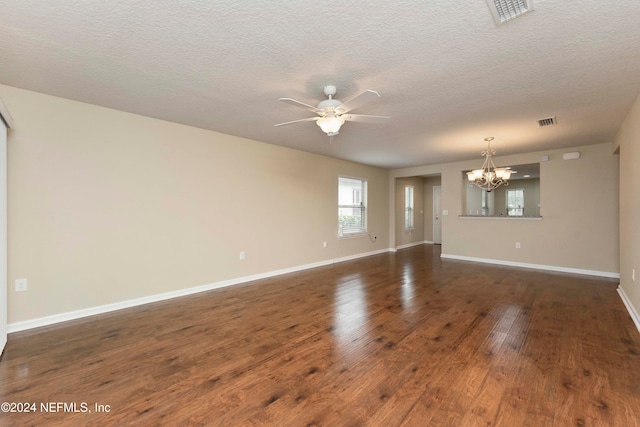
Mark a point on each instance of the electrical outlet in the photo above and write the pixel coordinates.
(324, 244)
(517, 245)
(21, 285)
(242, 255)
(633, 274)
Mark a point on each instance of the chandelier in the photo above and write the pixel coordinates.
(489, 177)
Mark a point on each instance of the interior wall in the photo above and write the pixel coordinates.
(579, 225)
(628, 142)
(415, 235)
(107, 206)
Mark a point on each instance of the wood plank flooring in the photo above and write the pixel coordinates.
(398, 339)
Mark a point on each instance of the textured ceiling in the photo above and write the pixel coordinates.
(448, 76)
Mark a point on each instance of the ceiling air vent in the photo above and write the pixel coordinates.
(504, 10)
(549, 121)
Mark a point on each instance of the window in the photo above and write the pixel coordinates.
(515, 202)
(352, 206)
(408, 206)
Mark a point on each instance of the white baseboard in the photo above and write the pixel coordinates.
(608, 274)
(91, 311)
(408, 245)
(630, 308)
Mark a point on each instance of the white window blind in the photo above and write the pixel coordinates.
(408, 206)
(352, 206)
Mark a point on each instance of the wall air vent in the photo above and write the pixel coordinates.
(549, 121)
(504, 10)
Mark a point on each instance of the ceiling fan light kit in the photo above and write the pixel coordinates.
(332, 112)
(330, 124)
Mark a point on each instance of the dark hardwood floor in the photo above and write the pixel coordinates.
(393, 339)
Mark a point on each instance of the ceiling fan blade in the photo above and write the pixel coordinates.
(299, 104)
(364, 98)
(364, 118)
(296, 121)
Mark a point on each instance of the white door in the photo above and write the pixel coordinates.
(437, 216)
(3, 235)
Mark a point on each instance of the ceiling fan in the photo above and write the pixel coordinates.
(333, 113)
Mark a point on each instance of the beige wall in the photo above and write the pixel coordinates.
(107, 206)
(579, 229)
(628, 142)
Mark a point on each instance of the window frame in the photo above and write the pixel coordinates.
(506, 199)
(359, 202)
(409, 207)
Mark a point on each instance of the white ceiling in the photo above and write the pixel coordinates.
(448, 76)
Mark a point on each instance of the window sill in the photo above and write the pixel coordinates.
(526, 218)
(353, 235)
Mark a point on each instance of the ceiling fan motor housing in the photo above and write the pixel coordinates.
(330, 90)
(329, 105)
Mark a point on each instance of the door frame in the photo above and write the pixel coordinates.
(437, 214)
(6, 122)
